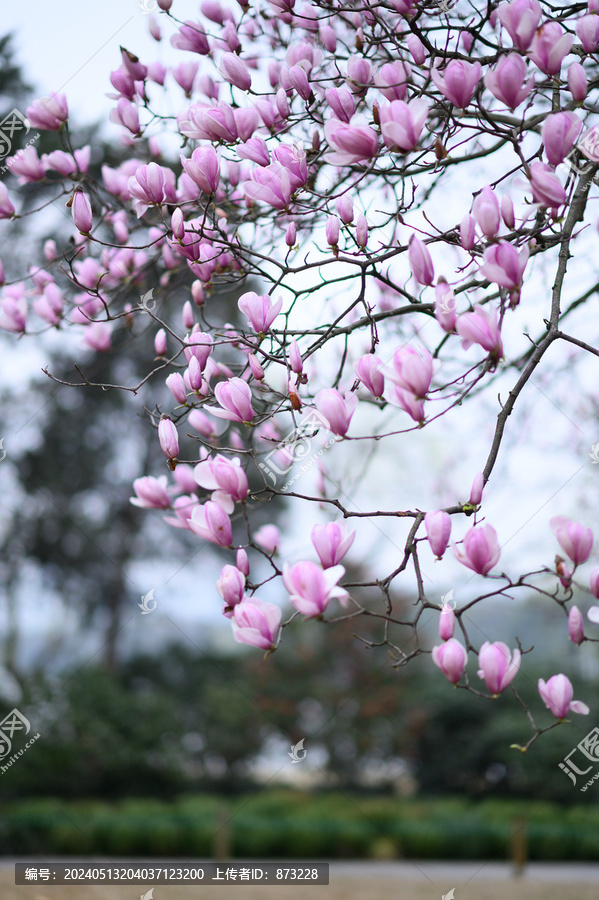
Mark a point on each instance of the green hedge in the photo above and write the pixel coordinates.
(286, 824)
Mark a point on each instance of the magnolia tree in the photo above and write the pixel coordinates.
(315, 145)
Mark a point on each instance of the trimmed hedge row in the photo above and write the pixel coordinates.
(285, 825)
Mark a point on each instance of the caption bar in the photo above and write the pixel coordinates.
(167, 873)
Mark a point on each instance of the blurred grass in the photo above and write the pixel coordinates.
(294, 825)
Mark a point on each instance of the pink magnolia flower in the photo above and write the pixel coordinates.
(185, 75)
(520, 19)
(445, 306)
(587, 29)
(49, 113)
(446, 622)
(337, 411)
(151, 493)
(235, 399)
(231, 587)
(148, 187)
(271, 185)
(126, 114)
(200, 347)
(256, 150)
(65, 163)
(575, 625)
(476, 491)
(451, 658)
(212, 523)
(392, 79)
(420, 261)
(574, 539)
(368, 369)
(498, 666)
(242, 562)
(480, 550)
(331, 231)
(412, 370)
(577, 81)
(341, 102)
(203, 168)
(438, 531)
(559, 133)
(26, 165)
(503, 264)
(458, 82)
(507, 211)
(402, 124)
(13, 310)
(345, 208)
(268, 537)
(468, 232)
(169, 440)
(82, 212)
(408, 401)
(260, 310)
(506, 81)
(183, 508)
(557, 697)
(311, 589)
(485, 210)
(350, 143)
(7, 208)
(549, 47)
(97, 336)
(361, 231)
(235, 71)
(210, 123)
(594, 582)
(332, 541)
(223, 476)
(256, 623)
(191, 36)
(481, 327)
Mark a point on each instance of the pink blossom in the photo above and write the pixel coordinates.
(503, 264)
(224, 476)
(332, 541)
(26, 165)
(446, 622)
(268, 537)
(361, 231)
(458, 82)
(199, 346)
(476, 491)
(507, 211)
(480, 550)
(210, 123)
(311, 589)
(191, 36)
(160, 342)
(341, 102)
(520, 19)
(231, 587)
(126, 114)
(211, 522)
(575, 625)
(295, 358)
(235, 399)
(185, 75)
(350, 143)
(7, 208)
(485, 210)
(256, 623)
(498, 666)
(391, 80)
(151, 493)
(557, 693)
(337, 411)
(147, 187)
(82, 212)
(468, 232)
(201, 423)
(331, 231)
(559, 133)
(451, 658)
(408, 401)
(438, 531)
(13, 310)
(255, 150)
(260, 310)
(271, 185)
(481, 327)
(577, 81)
(169, 440)
(299, 82)
(241, 559)
(445, 306)
(368, 369)
(203, 168)
(574, 539)
(402, 124)
(594, 582)
(97, 336)
(549, 47)
(412, 370)
(235, 71)
(345, 208)
(48, 113)
(587, 29)
(420, 261)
